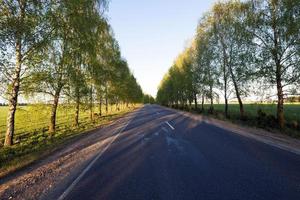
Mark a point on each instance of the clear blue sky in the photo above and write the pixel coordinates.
(152, 33)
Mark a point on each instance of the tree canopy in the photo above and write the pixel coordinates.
(239, 47)
(64, 50)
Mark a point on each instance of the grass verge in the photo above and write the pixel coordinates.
(40, 145)
(257, 115)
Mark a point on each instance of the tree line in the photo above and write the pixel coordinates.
(241, 48)
(61, 49)
(148, 99)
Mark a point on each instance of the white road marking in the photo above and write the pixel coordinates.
(170, 125)
(70, 188)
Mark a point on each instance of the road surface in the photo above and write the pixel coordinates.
(157, 153)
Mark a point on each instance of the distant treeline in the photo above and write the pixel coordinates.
(241, 48)
(19, 104)
(292, 99)
(148, 99)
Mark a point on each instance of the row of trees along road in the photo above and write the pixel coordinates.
(238, 45)
(61, 47)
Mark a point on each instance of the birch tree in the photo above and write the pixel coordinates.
(25, 31)
(275, 25)
(235, 48)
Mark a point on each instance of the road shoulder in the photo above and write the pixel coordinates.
(41, 177)
(277, 140)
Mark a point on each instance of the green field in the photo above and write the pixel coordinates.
(291, 111)
(35, 119)
(32, 141)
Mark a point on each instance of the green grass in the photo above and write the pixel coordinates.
(291, 111)
(31, 136)
(35, 118)
(266, 119)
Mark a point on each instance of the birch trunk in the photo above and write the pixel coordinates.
(278, 72)
(52, 125)
(195, 100)
(100, 107)
(237, 92)
(15, 86)
(91, 104)
(211, 109)
(202, 104)
(13, 101)
(76, 118)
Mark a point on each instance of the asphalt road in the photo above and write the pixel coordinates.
(159, 154)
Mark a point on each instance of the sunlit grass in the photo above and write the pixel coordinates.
(291, 111)
(265, 118)
(35, 118)
(31, 136)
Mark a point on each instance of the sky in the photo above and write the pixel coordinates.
(151, 34)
